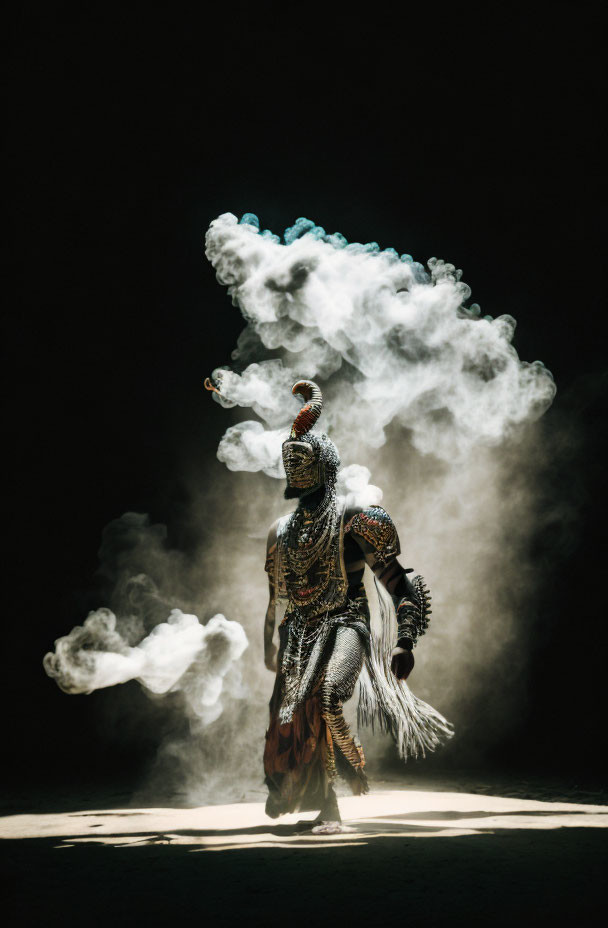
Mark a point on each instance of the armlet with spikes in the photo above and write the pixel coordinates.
(413, 617)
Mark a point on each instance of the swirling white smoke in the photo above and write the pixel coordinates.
(389, 342)
(142, 638)
(179, 655)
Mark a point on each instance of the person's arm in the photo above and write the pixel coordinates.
(375, 533)
(270, 651)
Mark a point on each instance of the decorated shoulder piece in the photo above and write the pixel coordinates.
(375, 533)
(374, 526)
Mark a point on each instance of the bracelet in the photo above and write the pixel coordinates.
(407, 615)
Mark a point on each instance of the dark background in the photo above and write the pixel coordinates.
(476, 139)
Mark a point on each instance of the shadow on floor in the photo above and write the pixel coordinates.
(512, 876)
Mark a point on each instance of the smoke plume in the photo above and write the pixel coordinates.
(389, 341)
(163, 648)
(179, 655)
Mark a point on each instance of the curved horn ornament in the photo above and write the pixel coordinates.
(209, 385)
(310, 411)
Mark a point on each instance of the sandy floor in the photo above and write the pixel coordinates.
(493, 860)
(395, 813)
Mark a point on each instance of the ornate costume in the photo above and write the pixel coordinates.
(315, 562)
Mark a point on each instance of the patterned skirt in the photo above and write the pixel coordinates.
(301, 758)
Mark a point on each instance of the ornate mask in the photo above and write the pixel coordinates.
(310, 460)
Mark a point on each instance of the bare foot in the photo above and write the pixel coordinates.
(331, 828)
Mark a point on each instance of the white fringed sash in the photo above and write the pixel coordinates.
(387, 702)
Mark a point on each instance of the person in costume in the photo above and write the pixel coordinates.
(316, 558)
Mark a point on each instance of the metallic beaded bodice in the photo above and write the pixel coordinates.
(310, 571)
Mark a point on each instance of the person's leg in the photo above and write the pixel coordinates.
(329, 811)
(341, 674)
